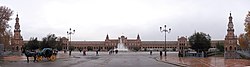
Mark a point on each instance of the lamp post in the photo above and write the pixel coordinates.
(165, 30)
(70, 32)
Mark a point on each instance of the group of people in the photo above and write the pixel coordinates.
(112, 51)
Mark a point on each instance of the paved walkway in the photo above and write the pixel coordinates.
(122, 59)
(204, 62)
(60, 55)
(171, 59)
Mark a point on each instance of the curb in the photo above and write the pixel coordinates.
(176, 64)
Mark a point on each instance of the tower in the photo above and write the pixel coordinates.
(138, 37)
(230, 43)
(18, 39)
(182, 46)
(138, 44)
(107, 37)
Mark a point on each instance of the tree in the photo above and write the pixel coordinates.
(32, 44)
(49, 41)
(220, 47)
(59, 47)
(5, 34)
(200, 42)
(59, 44)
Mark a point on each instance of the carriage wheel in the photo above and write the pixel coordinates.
(52, 57)
(39, 58)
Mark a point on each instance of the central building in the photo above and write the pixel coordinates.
(132, 44)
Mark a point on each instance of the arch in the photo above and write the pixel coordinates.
(230, 48)
(17, 48)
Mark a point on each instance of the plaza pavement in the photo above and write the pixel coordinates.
(122, 59)
(131, 59)
(203, 62)
(23, 57)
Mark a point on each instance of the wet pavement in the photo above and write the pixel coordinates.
(122, 59)
(203, 62)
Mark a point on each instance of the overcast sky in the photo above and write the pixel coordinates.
(94, 19)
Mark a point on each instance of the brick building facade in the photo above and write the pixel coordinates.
(135, 44)
(17, 40)
(230, 45)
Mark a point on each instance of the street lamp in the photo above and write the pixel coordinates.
(165, 30)
(70, 32)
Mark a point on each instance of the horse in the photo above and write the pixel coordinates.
(30, 54)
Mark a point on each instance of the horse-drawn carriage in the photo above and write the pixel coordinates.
(45, 53)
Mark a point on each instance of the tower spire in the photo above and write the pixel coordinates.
(230, 23)
(107, 37)
(17, 26)
(138, 37)
(17, 19)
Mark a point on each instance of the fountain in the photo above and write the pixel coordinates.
(121, 46)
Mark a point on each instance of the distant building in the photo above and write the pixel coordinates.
(135, 44)
(230, 44)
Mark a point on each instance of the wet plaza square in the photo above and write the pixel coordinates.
(124, 59)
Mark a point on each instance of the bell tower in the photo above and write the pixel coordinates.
(18, 39)
(230, 43)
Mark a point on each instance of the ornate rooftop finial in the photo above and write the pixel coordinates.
(16, 14)
(107, 37)
(138, 36)
(17, 19)
(230, 15)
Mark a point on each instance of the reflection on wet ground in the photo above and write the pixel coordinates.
(104, 59)
(205, 62)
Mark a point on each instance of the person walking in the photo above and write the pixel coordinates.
(160, 53)
(84, 52)
(151, 52)
(96, 52)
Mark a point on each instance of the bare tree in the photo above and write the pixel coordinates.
(5, 33)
